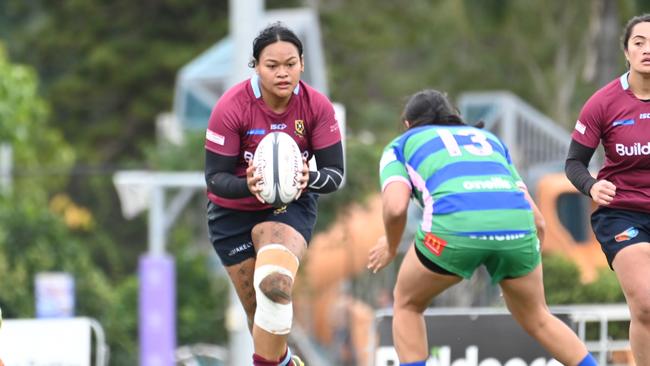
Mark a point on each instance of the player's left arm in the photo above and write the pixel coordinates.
(540, 223)
(329, 176)
(325, 138)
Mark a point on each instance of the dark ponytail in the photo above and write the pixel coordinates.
(432, 107)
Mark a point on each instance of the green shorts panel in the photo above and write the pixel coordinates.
(461, 255)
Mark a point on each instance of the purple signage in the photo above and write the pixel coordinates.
(157, 310)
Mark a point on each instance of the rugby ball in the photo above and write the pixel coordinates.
(278, 161)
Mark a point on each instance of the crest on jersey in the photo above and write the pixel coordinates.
(280, 210)
(300, 127)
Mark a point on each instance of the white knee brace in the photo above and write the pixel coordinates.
(273, 317)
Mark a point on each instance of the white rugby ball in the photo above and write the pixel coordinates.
(278, 161)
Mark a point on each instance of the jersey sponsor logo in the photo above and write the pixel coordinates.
(256, 131)
(628, 234)
(300, 127)
(498, 237)
(215, 137)
(278, 126)
(623, 122)
(492, 183)
(635, 150)
(644, 116)
(435, 244)
(581, 127)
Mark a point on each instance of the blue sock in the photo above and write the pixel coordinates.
(589, 360)
(419, 363)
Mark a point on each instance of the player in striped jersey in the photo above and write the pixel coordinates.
(476, 211)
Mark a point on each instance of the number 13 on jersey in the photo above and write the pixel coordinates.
(479, 146)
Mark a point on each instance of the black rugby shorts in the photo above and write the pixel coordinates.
(229, 230)
(616, 229)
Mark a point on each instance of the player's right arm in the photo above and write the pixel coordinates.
(395, 202)
(396, 194)
(222, 152)
(584, 140)
(221, 179)
(601, 191)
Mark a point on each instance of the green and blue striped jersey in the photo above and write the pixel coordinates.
(464, 180)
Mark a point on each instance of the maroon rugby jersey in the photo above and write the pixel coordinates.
(241, 119)
(618, 119)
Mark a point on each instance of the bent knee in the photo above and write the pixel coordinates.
(277, 288)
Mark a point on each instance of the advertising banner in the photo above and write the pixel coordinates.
(468, 339)
(45, 342)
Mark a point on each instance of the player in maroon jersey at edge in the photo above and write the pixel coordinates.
(618, 116)
(261, 247)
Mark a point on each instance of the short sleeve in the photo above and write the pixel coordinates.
(391, 167)
(326, 130)
(588, 127)
(222, 134)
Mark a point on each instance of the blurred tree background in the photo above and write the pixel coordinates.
(81, 84)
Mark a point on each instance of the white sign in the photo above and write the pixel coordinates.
(45, 342)
(54, 295)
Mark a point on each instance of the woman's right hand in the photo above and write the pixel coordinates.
(253, 181)
(603, 192)
(380, 255)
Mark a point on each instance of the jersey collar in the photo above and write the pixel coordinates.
(255, 84)
(624, 83)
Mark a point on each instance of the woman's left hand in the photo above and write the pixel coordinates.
(304, 177)
(380, 255)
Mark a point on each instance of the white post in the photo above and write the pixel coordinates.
(6, 167)
(245, 17)
(509, 129)
(157, 229)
